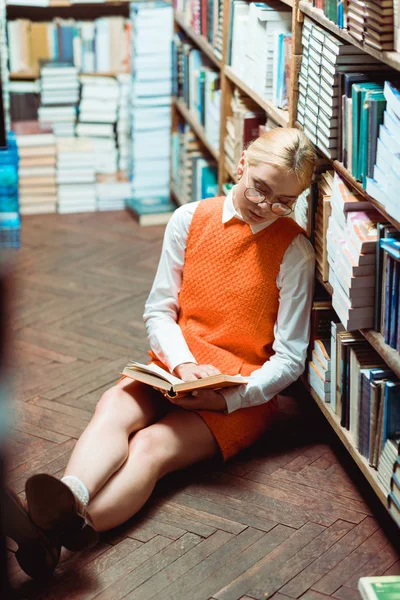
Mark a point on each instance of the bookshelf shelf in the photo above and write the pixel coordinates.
(277, 114)
(326, 285)
(345, 437)
(231, 173)
(201, 42)
(389, 355)
(195, 125)
(389, 58)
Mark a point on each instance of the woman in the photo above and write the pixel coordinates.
(233, 294)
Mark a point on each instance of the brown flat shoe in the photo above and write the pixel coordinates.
(52, 506)
(38, 553)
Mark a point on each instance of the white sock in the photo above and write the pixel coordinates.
(80, 492)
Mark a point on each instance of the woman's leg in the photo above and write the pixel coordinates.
(178, 440)
(103, 447)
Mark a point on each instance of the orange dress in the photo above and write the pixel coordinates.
(228, 308)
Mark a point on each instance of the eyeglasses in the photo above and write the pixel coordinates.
(254, 195)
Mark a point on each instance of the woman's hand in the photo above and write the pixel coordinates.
(201, 400)
(191, 371)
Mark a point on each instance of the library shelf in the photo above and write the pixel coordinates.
(316, 14)
(201, 42)
(196, 126)
(277, 114)
(177, 195)
(346, 438)
(390, 355)
(231, 173)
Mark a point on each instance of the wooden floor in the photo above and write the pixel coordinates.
(284, 519)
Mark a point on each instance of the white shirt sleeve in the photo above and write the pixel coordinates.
(162, 308)
(295, 282)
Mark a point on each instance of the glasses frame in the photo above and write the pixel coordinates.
(264, 198)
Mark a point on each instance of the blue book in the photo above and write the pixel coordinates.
(394, 305)
(392, 247)
(391, 411)
(66, 49)
(388, 297)
(151, 210)
(209, 182)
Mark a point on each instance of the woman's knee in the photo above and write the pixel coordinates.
(117, 406)
(150, 446)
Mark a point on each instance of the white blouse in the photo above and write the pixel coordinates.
(292, 327)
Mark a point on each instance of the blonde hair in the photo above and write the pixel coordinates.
(288, 149)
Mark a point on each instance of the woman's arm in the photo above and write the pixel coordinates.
(162, 308)
(292, 330)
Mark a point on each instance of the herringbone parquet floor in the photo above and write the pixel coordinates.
(285, 519)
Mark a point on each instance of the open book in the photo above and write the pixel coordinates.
(159, 378)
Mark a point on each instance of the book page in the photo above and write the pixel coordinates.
(155, 370)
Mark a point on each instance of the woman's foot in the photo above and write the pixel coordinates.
(38, 553)
(53, 507)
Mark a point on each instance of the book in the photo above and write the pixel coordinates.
(380, 588)
(170, 384)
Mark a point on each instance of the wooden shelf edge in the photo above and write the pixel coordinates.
(326, 285)
(389, 355)
(201, 42)
(369, 473)
(277, 114)
(316, 14)
(195, 125)
(178, 197)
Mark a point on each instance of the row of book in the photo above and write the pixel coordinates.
(346, 372)
(203, 17)
(5, 79)
(101, 45)
(10, 225)
(260, 47)
(387, 287)
(194, 175)
(197, 84)
(374, 22)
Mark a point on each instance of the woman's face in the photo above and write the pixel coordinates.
(269, 180)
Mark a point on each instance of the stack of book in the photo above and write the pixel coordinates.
(123, 123)
(197, 83)
(259, 40)
(324, 59)
(385, 183)
(150, 151)
(59, 96)
(372, 22)
(76, 175)
(9, 216)
(394, 495)
(241, 128)
(389, 468)
(37, 176)
(319, 369)
(24, 100)
(98, 110)
(99, 45)
(112, 191)
(204, 17)
(351, 244)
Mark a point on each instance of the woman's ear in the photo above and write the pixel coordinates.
(242, 161)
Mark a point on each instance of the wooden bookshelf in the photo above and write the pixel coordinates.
(316, 14)
(389, 355)
(346, 438)
(196, 126)
(179, 199)
(326, 285)
(199, 40)
(277, 114)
